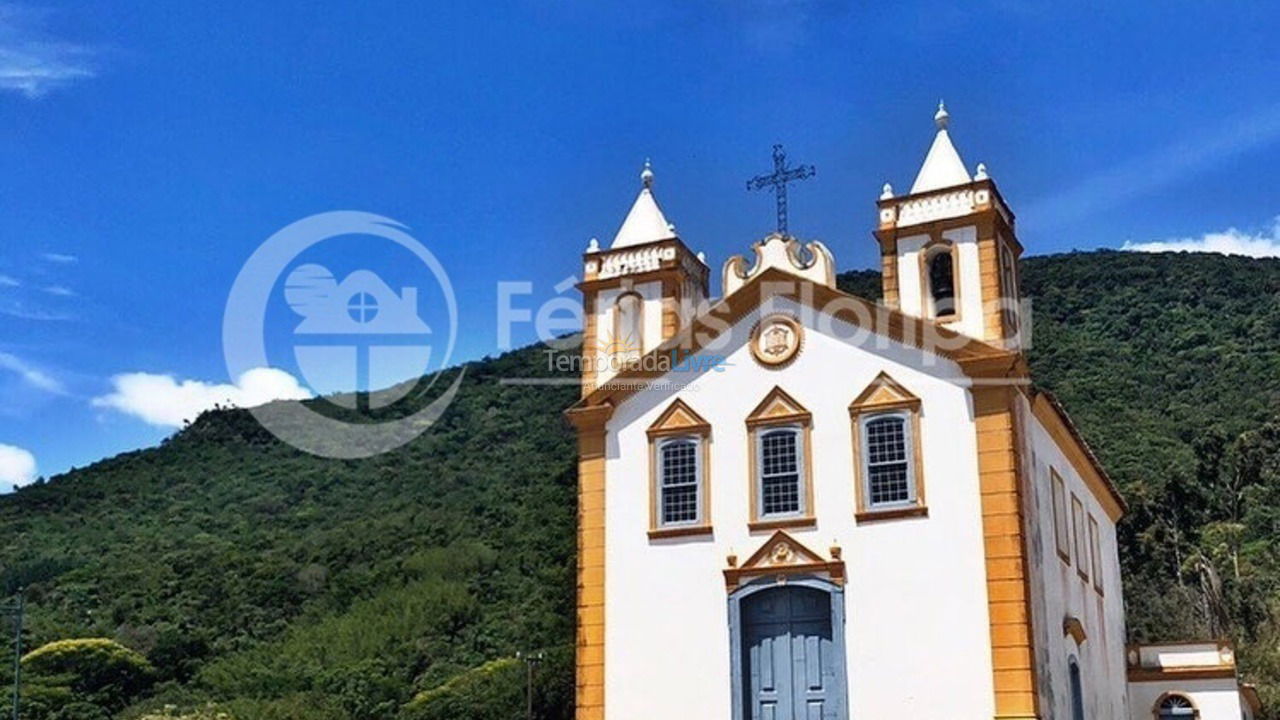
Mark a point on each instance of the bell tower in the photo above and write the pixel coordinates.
(639, 292)
(948, 248)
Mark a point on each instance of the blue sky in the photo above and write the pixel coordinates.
(150, 148)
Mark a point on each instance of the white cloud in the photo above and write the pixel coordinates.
(7, 281)
(1227, 242)
(60, 290)
(59, 258)
(31, 375)
(163, 400)
(17, 466)
(31, 61)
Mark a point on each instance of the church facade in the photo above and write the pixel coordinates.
(795, 503)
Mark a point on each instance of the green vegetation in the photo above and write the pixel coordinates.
(261, 583)
(83, 678)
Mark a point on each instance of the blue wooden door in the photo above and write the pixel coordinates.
(789, 658)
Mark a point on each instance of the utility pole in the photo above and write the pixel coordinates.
(16, 608)
(530, 660)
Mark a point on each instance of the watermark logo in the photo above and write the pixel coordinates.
(625, 345)
(355, 340)
(350, 327)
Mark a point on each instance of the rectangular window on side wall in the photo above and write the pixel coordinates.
(1095, 551)
(1078, 529)
(1061, 531)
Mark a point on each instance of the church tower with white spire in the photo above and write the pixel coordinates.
(638, 291)
(948, 249)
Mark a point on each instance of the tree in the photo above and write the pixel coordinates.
(83, 674)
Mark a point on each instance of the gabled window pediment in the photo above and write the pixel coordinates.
(883, 393)
(678, 418)
(778, 407)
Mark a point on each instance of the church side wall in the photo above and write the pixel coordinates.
(918, 628)
(1064, 593)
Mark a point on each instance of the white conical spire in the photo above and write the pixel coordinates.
(942, 166)
(645, 223)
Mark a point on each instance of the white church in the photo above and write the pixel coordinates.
(798, 504)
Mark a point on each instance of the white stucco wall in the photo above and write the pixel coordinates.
(969, 277)
(1215, 699)
(1061, 591)
(917, 628)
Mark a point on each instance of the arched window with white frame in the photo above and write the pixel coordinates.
(1175, 706)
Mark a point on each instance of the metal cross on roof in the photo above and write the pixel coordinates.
(778, 180)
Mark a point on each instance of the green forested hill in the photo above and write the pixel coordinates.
(279, 585)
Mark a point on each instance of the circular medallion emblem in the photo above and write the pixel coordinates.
(776, 340)
(783, 554)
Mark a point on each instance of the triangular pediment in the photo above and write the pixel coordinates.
(783, 555)
(678, 417)
(883, 391)
(777, 406)
(781, 551)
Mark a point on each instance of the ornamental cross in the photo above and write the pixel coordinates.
(779, 179)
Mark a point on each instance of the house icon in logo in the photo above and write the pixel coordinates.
(357, 334)
(362, 304)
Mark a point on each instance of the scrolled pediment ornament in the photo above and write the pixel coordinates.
(811, 261)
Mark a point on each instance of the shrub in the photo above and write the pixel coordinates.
(87, 673)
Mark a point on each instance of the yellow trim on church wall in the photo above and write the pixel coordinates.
(1008, 591)
(589, 340)
(889, 274)
(590, 635)
(989, 271)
